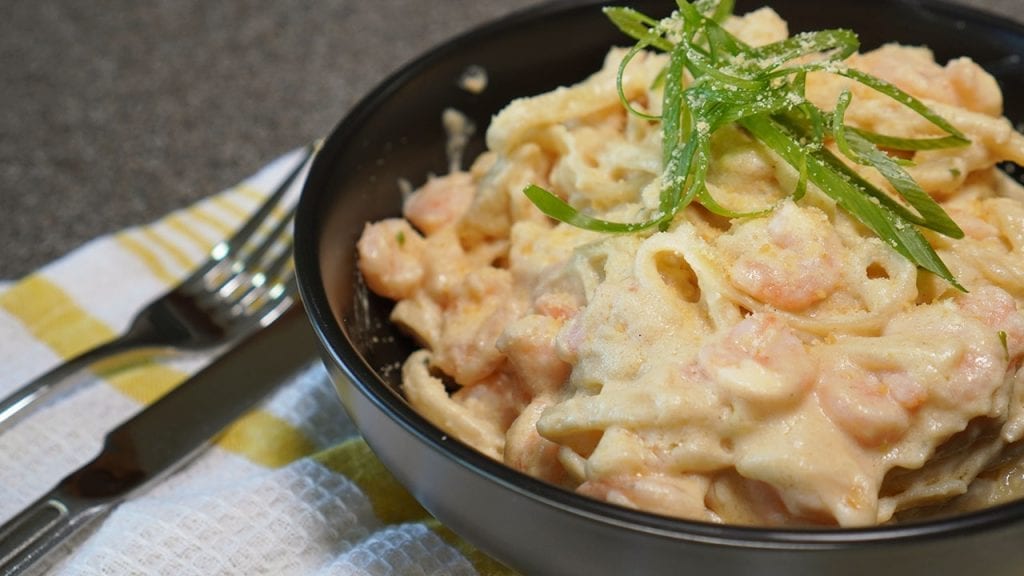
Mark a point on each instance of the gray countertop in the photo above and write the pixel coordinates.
(117, 112)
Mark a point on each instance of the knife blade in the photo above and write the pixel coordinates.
(160, 438)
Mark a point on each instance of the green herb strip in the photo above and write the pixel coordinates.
(853, 194)
(763, 90)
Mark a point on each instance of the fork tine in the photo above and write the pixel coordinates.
(249, 228)
(280, 302)
(263, 280)
(192, 314)
(219, 260)
(280, 229)
(275, 300)
(249, 260)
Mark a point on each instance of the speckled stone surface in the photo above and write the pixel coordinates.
(117, 112)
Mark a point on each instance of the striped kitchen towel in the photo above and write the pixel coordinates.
(289, 489)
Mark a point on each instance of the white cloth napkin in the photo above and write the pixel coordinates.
(288, 489)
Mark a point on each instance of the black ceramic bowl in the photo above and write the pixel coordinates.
(395, 133)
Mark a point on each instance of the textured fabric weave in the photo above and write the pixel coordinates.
(290, 488)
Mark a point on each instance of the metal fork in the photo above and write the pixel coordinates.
(247, 281)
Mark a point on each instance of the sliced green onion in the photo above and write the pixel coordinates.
(640, 46)
(560, 210)
(858, 149)
(637, 26)
(954, 137)
(851, 195)
(763, 90)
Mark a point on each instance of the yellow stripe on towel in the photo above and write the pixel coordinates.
(202, 214)
(169, 247)
(181, 225)
(227, 204)
(393, 504)
(266, 440)
(56, 320)
(145, 383)
(250, 192)
(132, 244)
(52, 317)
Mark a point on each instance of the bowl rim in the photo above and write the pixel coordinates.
(340, 351)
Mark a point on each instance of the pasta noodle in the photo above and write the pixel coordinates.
(782, 369)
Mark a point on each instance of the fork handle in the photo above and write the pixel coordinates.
(30, 396)
(29, 536)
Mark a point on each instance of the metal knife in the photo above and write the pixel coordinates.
(160, 438)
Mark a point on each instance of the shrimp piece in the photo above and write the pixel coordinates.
(789, 261)
(496, 398)
(440, 202)
(481, 307)
(873, 408)
(761, 360)
(529, 345)
(998, 310)
(950, 363)
(963, 362)
(558, 305)
(391, 258)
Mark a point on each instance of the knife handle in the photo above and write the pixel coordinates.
(38, 529)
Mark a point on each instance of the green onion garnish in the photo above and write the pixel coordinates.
(762, 89)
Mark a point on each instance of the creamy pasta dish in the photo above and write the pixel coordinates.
(784, 365)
